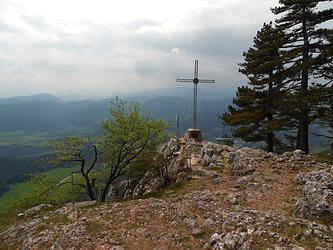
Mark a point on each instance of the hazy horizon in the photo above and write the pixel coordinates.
(185, 91)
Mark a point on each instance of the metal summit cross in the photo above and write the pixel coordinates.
(195, 81)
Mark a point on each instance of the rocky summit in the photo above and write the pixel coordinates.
(222, 197)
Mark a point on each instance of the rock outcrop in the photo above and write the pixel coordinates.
(317, 199)
(223, 198)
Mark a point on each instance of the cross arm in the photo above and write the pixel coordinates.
(184, 80)
(206, 81)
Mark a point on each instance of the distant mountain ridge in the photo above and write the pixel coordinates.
(206, 91)
(29, 115)
(29, 98)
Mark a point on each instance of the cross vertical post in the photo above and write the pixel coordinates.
(177, 131)
(195, 82)
(195, 93)
(177, 127)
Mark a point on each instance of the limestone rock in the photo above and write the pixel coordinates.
(318, 194)
(244, 161)
(169, 148)
(36, 209)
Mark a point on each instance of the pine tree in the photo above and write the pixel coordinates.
(256, 113)
(249, 116)
(326, 56)
(300, 20)
(325, 107)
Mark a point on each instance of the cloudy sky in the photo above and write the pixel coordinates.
(103, 47)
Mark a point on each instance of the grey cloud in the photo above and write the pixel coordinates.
(42, 67)
(136, 25)
(218, 41)
(4, 27)
(5, 65)
(215, 42)
(60, 70)
(145, 68)
(79, 45)
(206, 34)
(37, 23)
(104, 57)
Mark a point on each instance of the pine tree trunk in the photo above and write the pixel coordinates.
(297, 139)
(270, 142)
(304, 120)
(270, 135)
(303, 140)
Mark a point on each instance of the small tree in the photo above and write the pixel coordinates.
(80, 151)
(126, 148)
